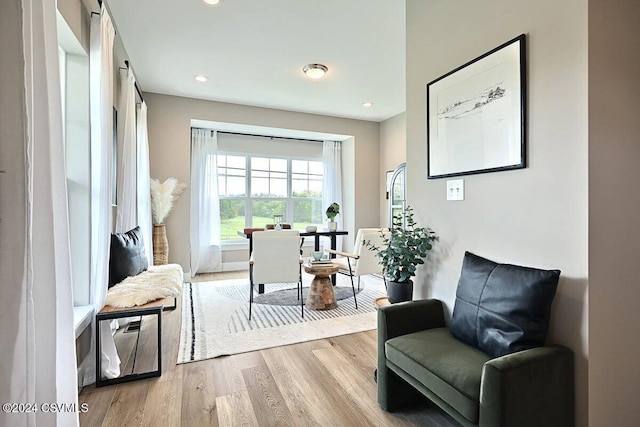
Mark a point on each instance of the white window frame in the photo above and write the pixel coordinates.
(289, 199)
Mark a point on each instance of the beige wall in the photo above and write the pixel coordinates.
(77, 18)
(614, 203)
(535, 216)
(169, 142)
(393, 152)
(13, 199)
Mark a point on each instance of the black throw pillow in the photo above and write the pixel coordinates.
(502, 308)
(128, 257)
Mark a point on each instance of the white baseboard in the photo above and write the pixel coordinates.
(235, 266)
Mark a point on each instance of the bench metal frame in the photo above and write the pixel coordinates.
(152, 308)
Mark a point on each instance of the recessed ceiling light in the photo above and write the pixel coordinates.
(367, 104)
(212, 2)
(201, 78)
(315, 71)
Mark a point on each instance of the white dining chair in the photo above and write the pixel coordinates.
(276, 259)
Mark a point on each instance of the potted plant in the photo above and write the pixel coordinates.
(405, 247)
(332, 211)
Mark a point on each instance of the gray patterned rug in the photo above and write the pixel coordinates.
(215, 317)
(279, 296)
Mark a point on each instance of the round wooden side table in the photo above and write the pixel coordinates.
(321, 296)
(381, 302)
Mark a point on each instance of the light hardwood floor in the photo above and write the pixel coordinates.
(319, 383)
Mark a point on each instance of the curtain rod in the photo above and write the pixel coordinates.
(99, 7)
(99, 13)
(269, 136)
(135, 83)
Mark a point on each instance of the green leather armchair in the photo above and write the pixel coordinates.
(417, 355)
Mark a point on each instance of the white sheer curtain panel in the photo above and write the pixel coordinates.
(101, 102)
(205, 206)
(332, 183)
(126, 211)
(144, 177)
(37, 343)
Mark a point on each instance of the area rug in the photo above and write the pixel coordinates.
(215, 317)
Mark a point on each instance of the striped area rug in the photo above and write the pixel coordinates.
(215, 318)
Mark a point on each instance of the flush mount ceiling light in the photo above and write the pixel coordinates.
(315, 71)
(212, 2)
(201, 78)
(367, 104)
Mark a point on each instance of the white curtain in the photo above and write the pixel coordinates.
(205, 205)
(332, 183)
(144, 190)
(126, 211)
(37, 348)
(101, 106)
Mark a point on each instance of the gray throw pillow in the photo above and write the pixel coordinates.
(128, 256)
(502, 308)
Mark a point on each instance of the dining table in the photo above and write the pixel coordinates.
(332, 235)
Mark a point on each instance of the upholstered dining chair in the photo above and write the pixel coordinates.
(362, 261)
(276, 259)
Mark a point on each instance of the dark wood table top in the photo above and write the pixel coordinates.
(247, 232)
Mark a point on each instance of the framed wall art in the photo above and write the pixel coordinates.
(476, 115)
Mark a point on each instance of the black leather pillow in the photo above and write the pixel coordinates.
(502, 308)
(128, 257)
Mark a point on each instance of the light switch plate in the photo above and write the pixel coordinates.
(455, 189)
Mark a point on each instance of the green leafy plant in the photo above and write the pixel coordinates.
(332, 211)
(405, 247)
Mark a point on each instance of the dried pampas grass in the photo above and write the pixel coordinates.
(163, 194)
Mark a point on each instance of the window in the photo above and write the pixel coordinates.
(74, 89)
(252, 189)
(232, 183)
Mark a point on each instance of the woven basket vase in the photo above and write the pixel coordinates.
(160, 245)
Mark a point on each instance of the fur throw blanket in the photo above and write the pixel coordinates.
(159, 281)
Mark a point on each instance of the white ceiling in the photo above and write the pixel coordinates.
(253, 52)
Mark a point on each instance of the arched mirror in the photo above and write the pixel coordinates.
(397, 192)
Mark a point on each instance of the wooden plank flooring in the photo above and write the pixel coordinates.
(319, 383)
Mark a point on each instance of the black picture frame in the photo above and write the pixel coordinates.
(476, 114)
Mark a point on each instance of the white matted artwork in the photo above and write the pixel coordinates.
(476, 115)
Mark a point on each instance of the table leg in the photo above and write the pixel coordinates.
(321, 296)
(333, 246)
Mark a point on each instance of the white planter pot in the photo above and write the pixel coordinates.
(332, 225)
